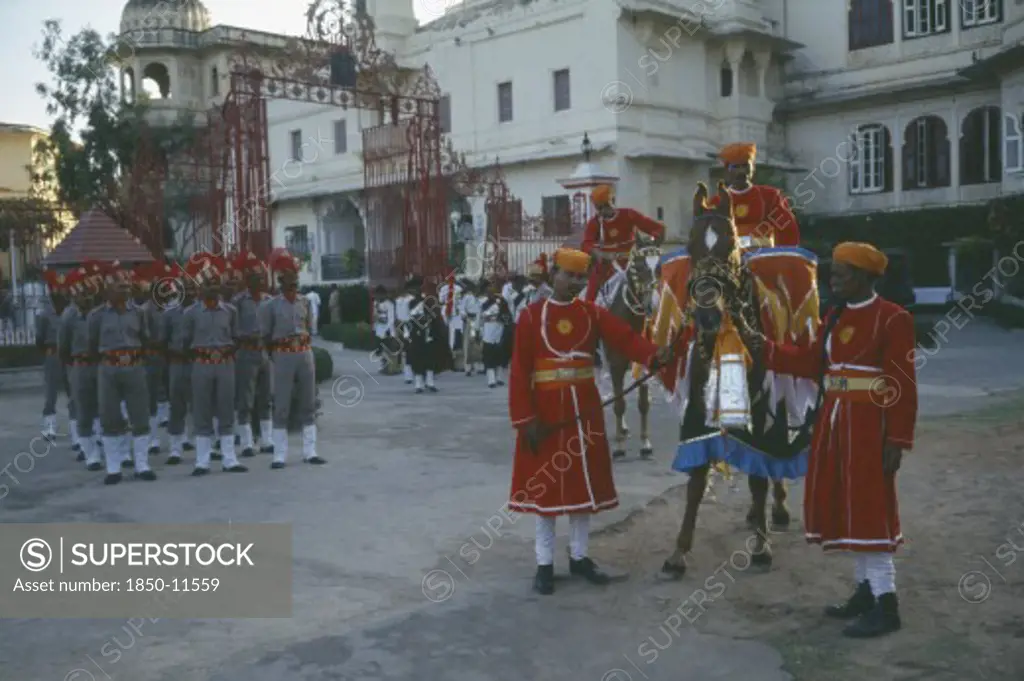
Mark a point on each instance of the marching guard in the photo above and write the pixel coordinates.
(865, 363)
(210, 332)
(117, 335)
(145, 277)
(450, 296)
(495, 320)
(402, 316)
(253, 364)
(54, 373)
(384, 329)
(287, 326)
(428, 341)
(83, 285)
(179, 365)
(472, 348)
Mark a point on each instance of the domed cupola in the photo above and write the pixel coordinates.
(189, 15)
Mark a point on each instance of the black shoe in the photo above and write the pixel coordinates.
(419, 391)
(127, 463)
(198, 472)
(94, 467)
(492, 385)
(188, 447)
(432, 388)
(164, 424)
(247, 453)
(148, 476)
(588, 570)
(883, 619)
(216, 456)
(154, 449)
(237, 468)
(112, 479)
(544, 581)
(277, 465)
(173, 460)
(315, 460)
(501, 382)
(76, 447)
(81, 456)
(860, 603)
(267, 449)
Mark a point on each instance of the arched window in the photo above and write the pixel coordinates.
(871, 160)
(981, 146)
(925, 153)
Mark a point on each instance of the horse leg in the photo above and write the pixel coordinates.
(618, 375)
(780, 512)
(675, 565)
(644, 401)
(762, 553)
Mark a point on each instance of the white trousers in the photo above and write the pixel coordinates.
(579, 537)
(878, 569)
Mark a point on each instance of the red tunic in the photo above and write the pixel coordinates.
(763, 212)
(616, 235)
(849, 502)
(572, 471)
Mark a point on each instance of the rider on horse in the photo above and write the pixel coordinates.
(610, 235)
(762, 214)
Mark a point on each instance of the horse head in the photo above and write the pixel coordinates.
(642, 272)
(715, 253)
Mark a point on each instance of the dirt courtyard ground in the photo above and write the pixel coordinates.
(960, 576)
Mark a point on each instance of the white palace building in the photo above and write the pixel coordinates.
(866, 105)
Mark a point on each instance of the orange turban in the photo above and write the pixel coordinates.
(571, 260)
(861, 255)
(602, 194)
(738, 153)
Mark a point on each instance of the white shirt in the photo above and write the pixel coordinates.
(384, 318)
(314, 302)
(491, 324)
(402, 307)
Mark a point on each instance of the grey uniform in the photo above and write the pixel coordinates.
(155, 368)
(210, 337)
(252, 366)
(286, 330)
(179, 368)
(118, 336)
(73, 344)
(54, 373)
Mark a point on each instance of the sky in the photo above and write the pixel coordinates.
(21, 29)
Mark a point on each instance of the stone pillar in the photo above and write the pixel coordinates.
(734, 51)
(763, 59)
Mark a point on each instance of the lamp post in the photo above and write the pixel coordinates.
(587, 148)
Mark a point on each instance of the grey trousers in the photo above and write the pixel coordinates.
(126, 384)
(154, 382)
(55, 379)
(253, 387)
(213, 395)
(180, 396)
(85, 392)
(294, 371)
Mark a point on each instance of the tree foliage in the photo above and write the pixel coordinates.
(28, 220)
(97, 136)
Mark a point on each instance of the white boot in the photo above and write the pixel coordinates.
(266, 437)
(124, 449)
(407, 370)
(500, 373)
(309, 454)
(112, 454)
(141, 445)
(280, 447)
(203, 451)
(227, 450)
(492, 379)
(245, 431)
(177, 448)
(97, 432)
(430, 382)
(73, 432)
(91, 451)
(154, 435)
(163, 413)
(419, 384)
(49, 429)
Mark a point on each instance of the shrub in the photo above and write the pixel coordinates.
(17, 356)
(357, 336)
(324, 365)
(355, 304)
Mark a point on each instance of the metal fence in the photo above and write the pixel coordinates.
(18, 311)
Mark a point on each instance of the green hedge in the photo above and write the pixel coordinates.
(17, 356)
(324, 365)
(355, 304)
(357, 336)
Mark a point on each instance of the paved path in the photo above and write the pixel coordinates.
(411, 479)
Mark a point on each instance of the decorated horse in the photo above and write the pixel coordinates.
(718, 301)
(629, 295)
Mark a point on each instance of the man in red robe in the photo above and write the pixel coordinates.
(562, 463)
(762, 214)
(610, 235)
(865, 362)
